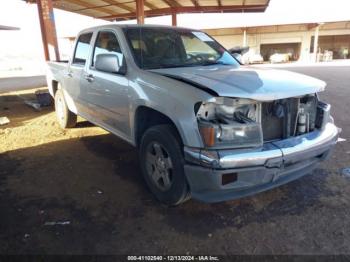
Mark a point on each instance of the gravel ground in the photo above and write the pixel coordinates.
(89, 182)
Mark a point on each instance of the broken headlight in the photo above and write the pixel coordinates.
(228, 122)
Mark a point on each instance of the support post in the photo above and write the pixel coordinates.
(245, 37)
(140, 11)
(174, 19)
(48, 29)
(316, 42)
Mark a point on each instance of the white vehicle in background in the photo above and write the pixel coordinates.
(279, 58)
(253, 58)
(246, 56)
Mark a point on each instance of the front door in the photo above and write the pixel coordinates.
(107, 93)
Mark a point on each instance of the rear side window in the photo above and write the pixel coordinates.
(107, 43)
(82, 49)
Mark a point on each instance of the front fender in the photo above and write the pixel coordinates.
(183, 119)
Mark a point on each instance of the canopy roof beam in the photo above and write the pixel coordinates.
(172, 3)
(189, 9)
(120, 5)
(89, 6)
(130, 9)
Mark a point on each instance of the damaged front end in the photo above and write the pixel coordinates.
(230, 123)
(244, 123)
(251, 146)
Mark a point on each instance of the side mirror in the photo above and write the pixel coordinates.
(108, 63)
(239, 50)
(238, 57)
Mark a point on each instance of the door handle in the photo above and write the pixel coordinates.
(89, 77)
(70, 74)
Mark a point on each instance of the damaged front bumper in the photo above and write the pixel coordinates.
(220, 175)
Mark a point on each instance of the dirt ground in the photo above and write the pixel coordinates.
(90, 182)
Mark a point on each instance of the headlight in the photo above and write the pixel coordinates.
(230, 123)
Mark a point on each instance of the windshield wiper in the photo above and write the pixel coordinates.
(211, 62)
(204, 63)
(176, 65)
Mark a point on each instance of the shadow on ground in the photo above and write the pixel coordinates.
(95, 184)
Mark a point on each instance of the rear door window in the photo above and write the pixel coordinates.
(82, 49)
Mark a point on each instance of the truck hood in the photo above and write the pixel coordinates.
(246, 82)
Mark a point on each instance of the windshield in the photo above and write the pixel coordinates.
(155, 48)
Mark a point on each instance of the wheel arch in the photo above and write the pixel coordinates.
(146, 117)
(54, 87)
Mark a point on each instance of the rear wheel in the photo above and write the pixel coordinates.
(162, 165)
(65, 118)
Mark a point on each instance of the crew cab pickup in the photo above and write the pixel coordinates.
(205, 126)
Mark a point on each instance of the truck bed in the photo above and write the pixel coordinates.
(56, 72)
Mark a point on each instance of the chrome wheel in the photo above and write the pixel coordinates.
(159, 166)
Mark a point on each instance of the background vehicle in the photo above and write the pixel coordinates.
(255, 59)
(279, 58)
(245, 56)
(238, 52)
(204, 126)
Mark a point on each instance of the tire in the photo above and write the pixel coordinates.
(65, 118)
(162, 165)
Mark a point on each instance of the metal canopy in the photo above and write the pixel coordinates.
(127, 9)
(131, 9)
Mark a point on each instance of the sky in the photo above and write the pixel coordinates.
(26, 43)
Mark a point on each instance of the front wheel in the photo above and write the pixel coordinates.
(65, 118)
(162, 165)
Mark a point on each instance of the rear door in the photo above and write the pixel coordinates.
(107, 93)
(75, 72)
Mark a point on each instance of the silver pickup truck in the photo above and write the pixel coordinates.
(204, 125)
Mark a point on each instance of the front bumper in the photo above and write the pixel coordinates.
(255, 170)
